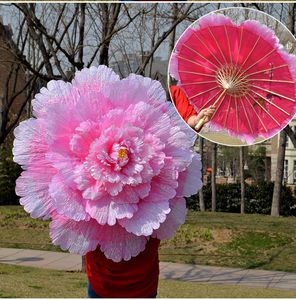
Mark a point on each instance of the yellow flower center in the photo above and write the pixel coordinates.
(122, 153)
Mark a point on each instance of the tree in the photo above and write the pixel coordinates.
(213, 176)
(242, 178)
(275, 207)
(201, 195)
(16, 84)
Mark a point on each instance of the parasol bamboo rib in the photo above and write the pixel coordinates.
(196, 63)
(243, 73)
(262, 71)
(200, 55)
(202, 107)
(228, 42)
(246, 59)
(196, 73)
(202, 120)
(254, 64)
(209, 29)
(236, 111)
(265, 110)
(282, 110)
(272, 80)
(227, 112)
(223, 97)
(204, 92)
(197, 82)
(249, 123)
(274, 93)
(219, 62)
(240, 45)
(240, 72)
(259, 118)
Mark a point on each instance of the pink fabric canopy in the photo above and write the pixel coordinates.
(109, 161)
(242, 70)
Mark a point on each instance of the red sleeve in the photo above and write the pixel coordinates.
(185, 109)
(135, 278)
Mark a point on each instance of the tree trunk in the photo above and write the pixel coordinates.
(110, 13)
(83, 267)
(201, 195)
(242, 178)
(213, 176)
(275, 207)
(173, 34)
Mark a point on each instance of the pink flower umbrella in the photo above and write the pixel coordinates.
(108, 160)
(242, 70)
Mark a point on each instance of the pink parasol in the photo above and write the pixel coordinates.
(242, 70)
(108, 161)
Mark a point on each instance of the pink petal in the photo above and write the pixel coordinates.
(190, 180)
(65, 164)
(101, 211)
(32, 187)
(132, 194)
(117, 244)
(67, 202)
(148, 218)
(94, 78)
(214, 20)
(77, 237)
(84, 135)
(124, 210)
(84, 236)
(29, 145)
(163, 186)
(174, 219)
(55, 92)
(140, 89)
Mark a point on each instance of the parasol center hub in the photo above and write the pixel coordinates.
(232, 80)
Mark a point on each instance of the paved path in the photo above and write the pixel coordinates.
(195, 273)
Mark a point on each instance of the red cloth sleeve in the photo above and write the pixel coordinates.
(185, 109)
(136, 278)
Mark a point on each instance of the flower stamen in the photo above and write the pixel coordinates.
(122, 153)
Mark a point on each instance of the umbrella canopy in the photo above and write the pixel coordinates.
(242, 70)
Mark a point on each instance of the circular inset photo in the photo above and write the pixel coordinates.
(232, 76)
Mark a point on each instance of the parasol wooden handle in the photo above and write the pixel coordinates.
(199, 124)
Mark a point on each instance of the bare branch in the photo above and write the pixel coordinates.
(291, 135)
(141, 68)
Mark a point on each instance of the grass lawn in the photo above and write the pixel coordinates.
(234, 240)
(28, 282)
(222, 239)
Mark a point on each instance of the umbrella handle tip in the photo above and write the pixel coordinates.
(200, 124)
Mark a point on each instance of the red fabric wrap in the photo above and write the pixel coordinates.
(185, 109)
(136, 278)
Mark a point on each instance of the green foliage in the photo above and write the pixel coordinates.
(206, 234)
(28, 282)
(258, 199)
(256, 163)
(9, 172)
(186, 235)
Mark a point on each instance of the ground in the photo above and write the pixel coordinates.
(219, 239)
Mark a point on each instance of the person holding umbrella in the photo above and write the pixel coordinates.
(193, 118)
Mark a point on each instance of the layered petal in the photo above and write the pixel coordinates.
(147, 218)
(29, 145)
(108, 161)
(32, 187)
(67, 201)
(77, 237)
(174, 219)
